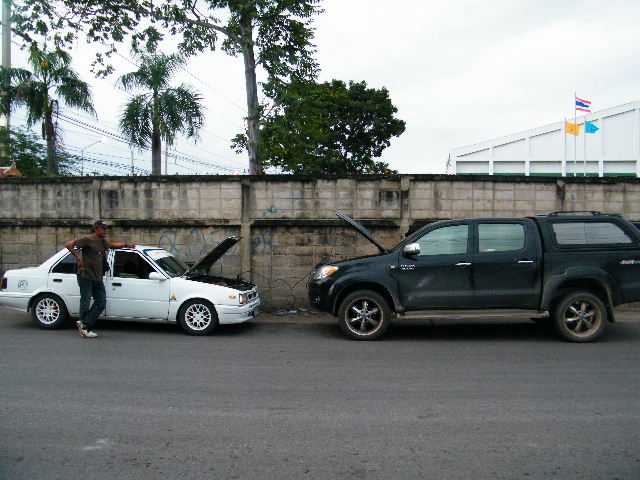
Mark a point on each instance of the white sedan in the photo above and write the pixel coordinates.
(143, 283)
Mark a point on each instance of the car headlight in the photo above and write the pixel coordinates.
(324, 271)
(244, 298)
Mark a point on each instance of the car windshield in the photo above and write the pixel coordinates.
(167, 262)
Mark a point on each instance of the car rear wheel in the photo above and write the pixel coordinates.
(364, 315)
(49, 311)
(198, 317)
(580, 317)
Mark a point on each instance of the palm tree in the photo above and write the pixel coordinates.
(51, 72)
(163, 111)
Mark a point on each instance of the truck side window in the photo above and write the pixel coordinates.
(589, 233)
(500, 237)
(445, 241)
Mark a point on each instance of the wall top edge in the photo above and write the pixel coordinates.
(173, 179)
(115, 223)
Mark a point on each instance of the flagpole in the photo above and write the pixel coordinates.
(575, 138)
(564, 130)
(584, 166)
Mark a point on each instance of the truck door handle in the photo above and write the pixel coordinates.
(116, 284)
(525, 261)
(463, 264)
(57, 280)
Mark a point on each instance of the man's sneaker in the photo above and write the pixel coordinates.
(84, 333)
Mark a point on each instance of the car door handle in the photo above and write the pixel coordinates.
(525, 261)
(57, 280)
(116, 284)
(463, 264)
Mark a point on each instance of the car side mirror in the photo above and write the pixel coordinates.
(157, 276)
(411, 249)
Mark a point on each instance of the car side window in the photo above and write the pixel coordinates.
(447, 240)
(68, 264)
(130, 265)
(500, 237)
(589, 233)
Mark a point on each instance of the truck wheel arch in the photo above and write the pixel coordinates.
(394, 304)
(553, 294)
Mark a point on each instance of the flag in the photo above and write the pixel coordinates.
(583, 105)
(591, 127)
(572, 128)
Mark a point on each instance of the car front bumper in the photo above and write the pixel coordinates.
(228, 314)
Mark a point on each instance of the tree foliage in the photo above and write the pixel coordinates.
(51, 79)
(275, 35)
(161, 111)
(329, 128)
(30, 154)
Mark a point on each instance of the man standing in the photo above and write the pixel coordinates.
(90, 271)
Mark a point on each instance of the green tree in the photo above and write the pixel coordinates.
(329, 128)
(30, 154)
(51, 78)
(275, 35)
(161, 112)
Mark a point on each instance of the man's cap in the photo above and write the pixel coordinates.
(100, 223)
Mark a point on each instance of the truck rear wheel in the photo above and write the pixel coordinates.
(364, 315)
(580, 316)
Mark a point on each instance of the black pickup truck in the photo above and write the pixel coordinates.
(565, 268)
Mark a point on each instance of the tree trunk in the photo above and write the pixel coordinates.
(156, 142)
(253, 107)
(50, 136)
(156, 152)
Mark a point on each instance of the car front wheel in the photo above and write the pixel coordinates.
(198, 317)
(364, 315)
(580, 317)
(49, 311)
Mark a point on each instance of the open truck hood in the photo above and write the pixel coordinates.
(361, 229)
(213, 256)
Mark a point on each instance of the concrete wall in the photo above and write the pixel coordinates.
(287, 222)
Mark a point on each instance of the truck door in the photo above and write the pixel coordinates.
(506, 263)
(440, 275)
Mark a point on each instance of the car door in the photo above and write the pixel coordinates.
(64, 281)
(440, 275)
(130, 292)
(506, 263)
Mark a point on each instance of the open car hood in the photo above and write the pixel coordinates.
(361, 229)
(213, 256)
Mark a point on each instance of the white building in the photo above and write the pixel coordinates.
(614, 150)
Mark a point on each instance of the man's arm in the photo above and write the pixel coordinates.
(71, 246)
(122, 245)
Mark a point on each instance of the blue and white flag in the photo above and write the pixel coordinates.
(591, 127)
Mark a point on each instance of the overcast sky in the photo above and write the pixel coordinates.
(459, 72)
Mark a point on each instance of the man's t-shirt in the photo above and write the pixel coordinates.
(93, 252)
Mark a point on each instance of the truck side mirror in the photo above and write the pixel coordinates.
(156, 276)
(411, 249)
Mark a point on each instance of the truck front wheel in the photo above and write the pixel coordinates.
(580, 316)
(364, 315)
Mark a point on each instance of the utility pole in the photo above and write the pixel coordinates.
(6, 63)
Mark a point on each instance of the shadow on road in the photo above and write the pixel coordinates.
(512, 332)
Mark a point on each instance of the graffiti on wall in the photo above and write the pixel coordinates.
(195, 243)
(262, 244)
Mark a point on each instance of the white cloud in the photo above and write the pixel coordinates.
(459, 72)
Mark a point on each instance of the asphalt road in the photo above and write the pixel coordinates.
(286, 399)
